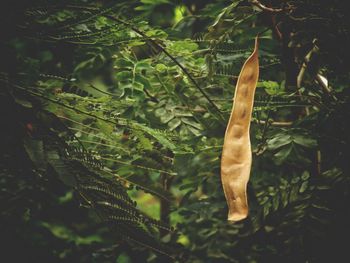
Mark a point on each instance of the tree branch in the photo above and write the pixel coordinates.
(265, 8)
(277, 123)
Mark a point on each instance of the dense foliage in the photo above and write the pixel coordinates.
(113, 117)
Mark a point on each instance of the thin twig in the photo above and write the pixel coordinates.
(322, 82)
(265, 8)
(277, 123)
(302, 71)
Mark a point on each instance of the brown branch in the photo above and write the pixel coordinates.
(305, 64)
(318, 162)
(275, 26)
(322, 83)
(265, 8)
(320, 80)
(277, 123)
(303, 68)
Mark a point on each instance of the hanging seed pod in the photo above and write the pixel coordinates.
(236, 156)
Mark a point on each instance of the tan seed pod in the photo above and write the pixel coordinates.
(236, 159)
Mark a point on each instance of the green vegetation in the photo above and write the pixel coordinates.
(113, 118)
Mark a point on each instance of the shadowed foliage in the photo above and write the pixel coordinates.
(113, 118)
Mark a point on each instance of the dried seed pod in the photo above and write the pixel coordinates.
(236, 156)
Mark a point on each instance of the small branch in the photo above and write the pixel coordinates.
(303, 68)
(265, 8)
(267, 123)
(151, 97)
(101, 91)
(323, 83)
(164, 205)
(318, 162)
(277, 123)
(307, 60)
(275, 27)
(262, 146)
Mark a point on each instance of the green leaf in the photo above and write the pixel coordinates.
(63, 169)
(280, 139)
(283, 154)
(174, 123)
(303, 187)
(184, 46)
(271, 87)
(124, 63)
(224, 12)
(161, 67)
(192, 123)
(35, 150)
(124, 76)
(305, 141)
